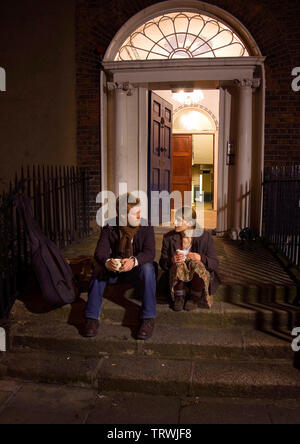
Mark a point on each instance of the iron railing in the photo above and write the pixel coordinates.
(60, 202)
(281, 212)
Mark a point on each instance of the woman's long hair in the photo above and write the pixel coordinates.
(189, 215)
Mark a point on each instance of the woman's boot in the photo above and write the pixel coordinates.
(194, 300)
(198, 300)
(179, 299)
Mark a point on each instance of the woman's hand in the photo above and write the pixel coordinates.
(178, 258)
(194, 257)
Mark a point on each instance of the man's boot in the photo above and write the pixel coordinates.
(91, 328)
(179, 299)
(146, 329)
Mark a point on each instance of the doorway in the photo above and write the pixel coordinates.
(183, 152)
(140, 59)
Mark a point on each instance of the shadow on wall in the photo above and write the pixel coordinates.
(244, 206)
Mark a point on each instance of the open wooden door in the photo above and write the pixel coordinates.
(160, 145)
(182, 163)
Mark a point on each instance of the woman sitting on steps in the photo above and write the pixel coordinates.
(189, 257)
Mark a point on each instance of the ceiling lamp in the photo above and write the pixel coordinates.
(189, 98)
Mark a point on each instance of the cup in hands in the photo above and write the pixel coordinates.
(181, 254)
(118, 263)
(114, 265)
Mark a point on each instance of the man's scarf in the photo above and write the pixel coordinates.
(125, 245)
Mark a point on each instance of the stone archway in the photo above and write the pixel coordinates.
(239, 185)
(172, 6)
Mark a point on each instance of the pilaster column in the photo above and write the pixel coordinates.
(120, 157)
(243, 163)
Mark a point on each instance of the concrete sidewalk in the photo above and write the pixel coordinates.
(28, 403)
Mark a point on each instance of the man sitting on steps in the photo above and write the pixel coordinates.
(134, 244)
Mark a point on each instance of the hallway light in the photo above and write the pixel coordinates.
(189, 98)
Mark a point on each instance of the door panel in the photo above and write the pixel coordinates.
(182, 163)
(182, 144)
(156, 139)
(167, 180)
(160, 145)
(167, 130)
(156, 179)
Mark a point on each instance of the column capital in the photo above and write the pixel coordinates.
(124, 86)
(248, 83)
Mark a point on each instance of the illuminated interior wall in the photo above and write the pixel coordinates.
(192, 119)
(203, 148)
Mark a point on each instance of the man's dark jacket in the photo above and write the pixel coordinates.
(203, 245)
(108, 247)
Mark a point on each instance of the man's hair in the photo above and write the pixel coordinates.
(125, 201)
(188, 214)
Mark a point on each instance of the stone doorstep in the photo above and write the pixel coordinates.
(123, 308)
(154, 376)
(222, 315)
(173, 342)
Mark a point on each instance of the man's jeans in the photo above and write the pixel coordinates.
(141, 277)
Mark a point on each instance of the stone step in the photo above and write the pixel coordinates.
(140, 374)
(50, 367)
(221, 315)
(167, 341)
(266, 294)
(120, 306)
(200, 378)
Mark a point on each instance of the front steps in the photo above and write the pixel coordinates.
(233, 307)
(168, 342)
(240, 349)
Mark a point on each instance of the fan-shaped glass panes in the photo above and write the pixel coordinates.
(182, 35)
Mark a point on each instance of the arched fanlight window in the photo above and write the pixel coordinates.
(181, 36)
(193, 119)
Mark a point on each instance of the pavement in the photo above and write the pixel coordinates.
(28, 403)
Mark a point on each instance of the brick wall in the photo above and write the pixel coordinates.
(273, 24)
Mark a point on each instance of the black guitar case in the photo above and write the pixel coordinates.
(53, 273)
